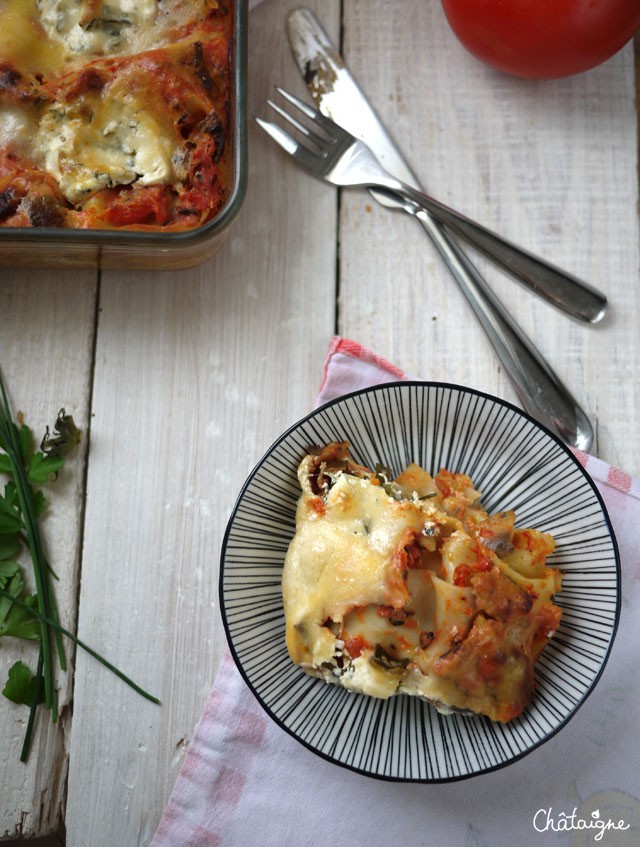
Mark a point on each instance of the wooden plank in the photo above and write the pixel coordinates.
(551, 165)
(46, 355)
(196, 373)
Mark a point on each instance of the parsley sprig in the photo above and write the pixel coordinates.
(24, 615)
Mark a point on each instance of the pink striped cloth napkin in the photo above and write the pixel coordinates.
(245, 782)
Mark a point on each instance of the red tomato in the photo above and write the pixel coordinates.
(543, 39)
(147, 204)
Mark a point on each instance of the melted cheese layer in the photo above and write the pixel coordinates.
(116, 144)
(90, 28)
(342, 559)
(49, 36)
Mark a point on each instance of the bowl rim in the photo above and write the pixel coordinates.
(407, 383)
(62, 236)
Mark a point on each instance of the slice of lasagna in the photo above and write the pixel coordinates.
(113, 113)
(407, 585)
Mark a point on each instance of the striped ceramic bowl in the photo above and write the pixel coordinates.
(516, 464)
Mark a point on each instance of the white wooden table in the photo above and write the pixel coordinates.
(181, 380)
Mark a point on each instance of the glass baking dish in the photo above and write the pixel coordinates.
(148, 250)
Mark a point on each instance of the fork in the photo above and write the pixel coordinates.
(540, 391)
(338, 157)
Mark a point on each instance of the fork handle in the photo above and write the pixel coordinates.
(539, 389)
(568, 293)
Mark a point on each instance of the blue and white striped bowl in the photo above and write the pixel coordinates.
(516, 464)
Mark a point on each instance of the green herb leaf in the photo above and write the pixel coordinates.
(10, 494)
(10, 434)
(21, 620)
(5, 464)
(42, 468)
(9, 546)
(22, 686)
(10, 519)
(8, 569)
(13, 585)
(39, 502)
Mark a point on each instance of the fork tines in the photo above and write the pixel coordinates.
(310, 111)
(283, 138)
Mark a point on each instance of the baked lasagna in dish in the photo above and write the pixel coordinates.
(113, 113)
(406, 585)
